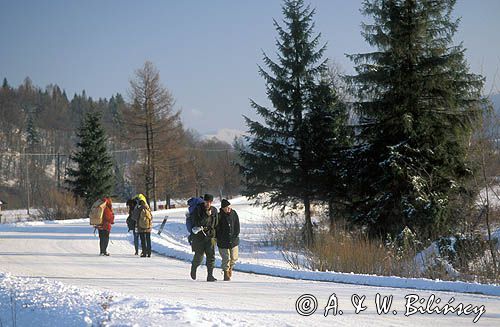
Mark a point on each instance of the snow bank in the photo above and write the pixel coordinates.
(171, 248)
(11, 216)
(268, 261)
(41, 302)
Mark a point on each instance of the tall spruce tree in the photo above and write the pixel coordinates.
(330, 137)
(93, 177)
(416, 100)
(281, 164)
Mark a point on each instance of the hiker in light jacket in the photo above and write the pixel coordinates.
(144, 225)
(108, 219)
(228, 231)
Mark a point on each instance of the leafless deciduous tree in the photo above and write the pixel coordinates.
(151, 122)
(486, 155)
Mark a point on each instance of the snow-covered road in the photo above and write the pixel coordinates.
(67, 252)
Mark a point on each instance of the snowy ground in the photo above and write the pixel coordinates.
(50, 275)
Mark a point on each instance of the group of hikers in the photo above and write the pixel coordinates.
(206, 225)
(209, 228)
(140, 222)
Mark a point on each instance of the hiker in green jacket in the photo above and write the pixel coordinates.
(205, 221)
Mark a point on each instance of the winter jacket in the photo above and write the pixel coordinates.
(207, 219)
(108, 217)
(228, 230)
(145, 219)
(135, 214)
(131, 222)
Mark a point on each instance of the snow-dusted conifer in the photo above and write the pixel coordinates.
(416, 102)
(92, 178)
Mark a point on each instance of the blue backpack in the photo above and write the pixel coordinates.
(192, 203)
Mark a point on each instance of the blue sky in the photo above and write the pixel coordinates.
(207, 51)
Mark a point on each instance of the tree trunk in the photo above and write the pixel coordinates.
(308, 231)
(331, 213)
(148, 165)
(167, 201)
(153, 167)
(488, 227)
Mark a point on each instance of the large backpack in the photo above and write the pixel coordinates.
(192, 203)
(145, 218)
(96, 212)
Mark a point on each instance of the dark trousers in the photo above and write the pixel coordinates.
(146, 243)
(204, 247)
(136, 241)
(103, 240)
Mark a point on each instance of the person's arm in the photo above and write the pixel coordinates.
(215, 217)
(236, 225)
(217, 227)
(150, 218)
(112, 216)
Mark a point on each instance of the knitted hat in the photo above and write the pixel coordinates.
(208, 197)
(224, 203)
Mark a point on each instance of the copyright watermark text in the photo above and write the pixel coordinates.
(307, 305)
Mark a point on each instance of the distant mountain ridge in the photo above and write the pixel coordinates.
(226, 134)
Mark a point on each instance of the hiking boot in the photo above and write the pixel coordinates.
(136, 253)
(210, 275)
(227, 278)
(143, 255)
(193, 272)
(106, 254)
(149, 255)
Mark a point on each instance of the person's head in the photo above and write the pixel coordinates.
(209, 199)
(130, 203)
(139, 197)
(225, 206)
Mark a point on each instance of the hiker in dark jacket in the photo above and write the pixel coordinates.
(132, 222)
(228, 231)
(204, 222)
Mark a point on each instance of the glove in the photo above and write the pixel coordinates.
(196, 230)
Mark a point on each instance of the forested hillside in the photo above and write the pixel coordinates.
(38, 135)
